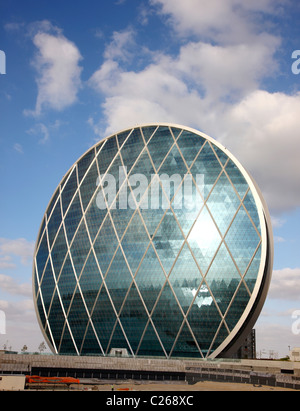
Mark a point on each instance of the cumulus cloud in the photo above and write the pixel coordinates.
(227, 72)
(58, 72)
(214, 83)
(120, 46)
(262, 130)
(230, 21)
(207, 73)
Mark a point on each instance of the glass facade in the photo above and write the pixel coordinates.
(156, 241)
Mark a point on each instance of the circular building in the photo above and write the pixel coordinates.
(156, 241)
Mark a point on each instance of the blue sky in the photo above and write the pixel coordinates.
(78, 71)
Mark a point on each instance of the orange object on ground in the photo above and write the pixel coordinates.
(34, 379)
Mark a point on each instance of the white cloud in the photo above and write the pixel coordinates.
(19, 247)
(227, 71)
(21, 325)
(13, 27)
(262, 130)
(277, 222)
(121, 45)
(278, 239)
(215, 86)
(9, 285)
(6, 262)
(57, 66)
(273, 339)
(285, 284)
(213, 72)
(18, 147)
(227, 22)
(40, 129)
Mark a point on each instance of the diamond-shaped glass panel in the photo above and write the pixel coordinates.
(237, 178)
(223, 278)
(73, 218)
(133, 318)
(89, 185)
(191, 203)
(132, 149)
(223, 203)
(185, 278)
(148, 132)
(80, 248)
(150, 278)
(221, 335)
(167, 318)
(53, 223)
(223, 158)
(42, 255)
(204, 240)
(41, 311)
(150, 344)
(103, 318)
(242, 240)
(94, 217)
(48, 286)
(249, 204)
(176, 132)
(253, 269)
(136, 192)
(77, 318)
(204, 319)
(67, 283)
(135, 242)
(122, 137)
(154, 213)
(168, 240)
(107, 154)
(190, 144)
(69, 190)
(185, 344)
(106, 245)
(59, 252)
(118, 280)
(118, 339)
(90, 281)
(159, 145)
(90, 344)
(121, 216)
(207, 164)
(237, 307)
(67, 344)
(56, 319)
(84, 163)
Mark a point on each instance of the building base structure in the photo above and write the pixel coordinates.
(262, 372)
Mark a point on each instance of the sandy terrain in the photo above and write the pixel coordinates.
(200, 386)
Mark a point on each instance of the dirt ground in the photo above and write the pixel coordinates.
(200, 386)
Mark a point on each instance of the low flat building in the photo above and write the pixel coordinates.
(295, 354)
